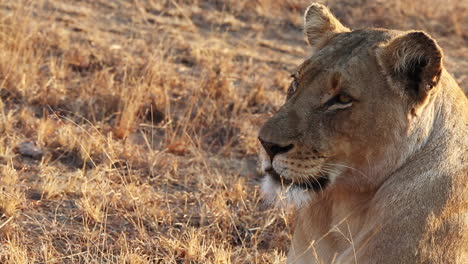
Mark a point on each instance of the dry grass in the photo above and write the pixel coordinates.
(145, 116)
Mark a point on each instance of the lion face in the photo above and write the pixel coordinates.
(353, 109)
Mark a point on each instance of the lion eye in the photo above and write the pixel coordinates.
(292, 88)
(340, 101)
(343, 99)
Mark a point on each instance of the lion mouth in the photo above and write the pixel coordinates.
(315, 184)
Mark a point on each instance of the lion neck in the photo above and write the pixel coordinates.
(424, 135)
(438, 126)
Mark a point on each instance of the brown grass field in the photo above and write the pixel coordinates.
(128, 127)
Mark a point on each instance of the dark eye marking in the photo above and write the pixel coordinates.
(339, 101)
(293, 86)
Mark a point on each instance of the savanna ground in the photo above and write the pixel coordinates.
(128, 127)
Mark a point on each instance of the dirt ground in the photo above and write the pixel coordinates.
(128, 127)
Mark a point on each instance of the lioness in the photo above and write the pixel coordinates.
(372, 146)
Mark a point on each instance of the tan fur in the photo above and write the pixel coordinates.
(396, 156)
(320, 25)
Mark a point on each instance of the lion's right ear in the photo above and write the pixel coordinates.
(320, 25)
(414, 60)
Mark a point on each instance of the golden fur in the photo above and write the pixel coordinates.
(372, 146)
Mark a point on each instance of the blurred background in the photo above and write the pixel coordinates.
(128, 127)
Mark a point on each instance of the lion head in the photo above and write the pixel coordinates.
(356, 109)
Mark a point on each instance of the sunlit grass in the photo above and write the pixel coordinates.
(147, 114)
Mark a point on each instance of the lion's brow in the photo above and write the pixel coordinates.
(299, 71)
(306, 66)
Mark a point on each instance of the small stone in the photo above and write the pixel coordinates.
(34, 195)
(29, 149)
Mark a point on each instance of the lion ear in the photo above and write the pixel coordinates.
(414, 60)
(320, 25)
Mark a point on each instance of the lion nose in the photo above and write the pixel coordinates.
(272, 148)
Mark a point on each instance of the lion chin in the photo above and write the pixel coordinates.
(281, 196)
(281, 191)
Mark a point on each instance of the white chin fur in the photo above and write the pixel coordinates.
(274, 194)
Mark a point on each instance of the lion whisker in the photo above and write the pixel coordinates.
(349, 167)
